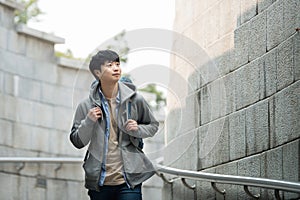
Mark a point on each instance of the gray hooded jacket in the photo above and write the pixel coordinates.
(136, 166)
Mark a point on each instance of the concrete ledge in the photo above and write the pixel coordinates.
(71, 63)
(23, 29)
(12, 4)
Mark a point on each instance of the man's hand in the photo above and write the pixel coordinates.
(94, 114)
(131, 125)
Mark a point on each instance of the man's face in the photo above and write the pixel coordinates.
(110, 72)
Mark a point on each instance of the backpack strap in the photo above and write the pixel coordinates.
(140, 143)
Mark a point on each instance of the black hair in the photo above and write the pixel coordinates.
(100, 58)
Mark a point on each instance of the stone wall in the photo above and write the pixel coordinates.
(239, 112)
(38, 94)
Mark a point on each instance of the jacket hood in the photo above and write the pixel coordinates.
(126, 90)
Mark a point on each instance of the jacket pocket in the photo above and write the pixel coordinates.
(92, 168)
(135, 161)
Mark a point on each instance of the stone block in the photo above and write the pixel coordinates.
(67, 76)
(28, 89)
(286, 115)
(208, 70)
(213, 143)
(10, 84)
(291, 152)
(8, 61)
(182, 151)
(25, 111)
(271, 167)
(67, 172)
(222, 147)
(197, 30)
(237, 135)
(275, 25)
(172, 129)
(291, 17)
(204, 189)
(154, 182)
(2, 81)
(7, 17)
(248, 10)
(167, 191)
(211, 32)
(34, 113)
(43, 115)
(264, 4)
(150, 193)
(31, 137)
(3, 37)
(249, 84)
(257, 128)
(76, 190)
(206, 144)
(189, 108)
(57, 189)
(33, 49)
(10, 182)
(83, 79)
(16, 43)
(296, 41)
(45, 71)
(218, 98)
(205, 105)
(285, 64)
(8, 107)
(270, 68)
(153, 150)
(180, 192)
(241, 46)
(229, 12)
(194, 81)
(221, 53)
(229, 83)
(63, 145)
(62, 118)
(250, 166)
(6, 133)
(58, 95)
(258, 33)
(227, 169)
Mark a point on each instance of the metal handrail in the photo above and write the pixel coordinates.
(40, 160)
(232, 179)
(277, 185)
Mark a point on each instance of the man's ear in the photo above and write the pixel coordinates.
(97, 72)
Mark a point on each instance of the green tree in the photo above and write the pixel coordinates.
(151, 88)
(120, 45)
(31, 12)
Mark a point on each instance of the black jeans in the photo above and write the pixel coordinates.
(118, 192)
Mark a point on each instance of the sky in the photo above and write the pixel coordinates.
(86, 24)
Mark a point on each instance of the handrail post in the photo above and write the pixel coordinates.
(277, 195)
(192, 187)
(162, 176)
(246, 189)
(222, 192)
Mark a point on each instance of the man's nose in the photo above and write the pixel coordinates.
(115, 67)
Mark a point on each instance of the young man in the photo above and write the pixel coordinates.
(111, 122)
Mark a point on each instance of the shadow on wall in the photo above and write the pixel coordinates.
(243, 120)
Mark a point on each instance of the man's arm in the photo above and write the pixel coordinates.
(83, 125)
